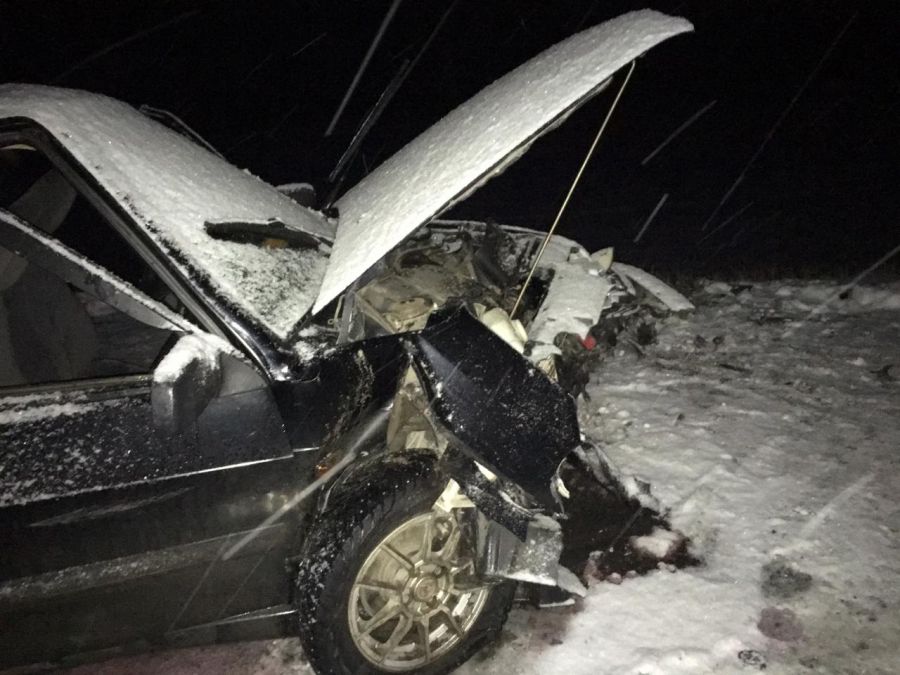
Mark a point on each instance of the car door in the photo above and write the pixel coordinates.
(114, 515)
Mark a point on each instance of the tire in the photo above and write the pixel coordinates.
(392, 504)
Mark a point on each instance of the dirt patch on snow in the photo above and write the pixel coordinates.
(608, 537)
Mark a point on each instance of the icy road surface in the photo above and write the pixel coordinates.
(775, 441)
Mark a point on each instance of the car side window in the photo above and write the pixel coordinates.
(32, 188)
(51, 332)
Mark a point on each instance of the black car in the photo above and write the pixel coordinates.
(202, 437)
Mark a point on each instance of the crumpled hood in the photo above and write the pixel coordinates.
(479, 139)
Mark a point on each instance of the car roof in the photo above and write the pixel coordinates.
(171, 187)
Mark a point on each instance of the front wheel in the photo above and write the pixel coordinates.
(388, 584)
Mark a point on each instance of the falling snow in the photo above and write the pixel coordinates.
(781, 472)
(480, 138)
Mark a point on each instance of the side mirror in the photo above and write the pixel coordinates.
(184, 383)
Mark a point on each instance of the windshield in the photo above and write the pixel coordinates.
(276, 286)
(171, 188)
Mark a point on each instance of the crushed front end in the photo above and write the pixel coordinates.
(507, 438)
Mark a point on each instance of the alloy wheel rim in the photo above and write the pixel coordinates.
(416, 595)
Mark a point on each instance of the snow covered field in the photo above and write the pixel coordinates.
(771, 430)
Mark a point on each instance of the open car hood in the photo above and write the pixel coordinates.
(479, 139)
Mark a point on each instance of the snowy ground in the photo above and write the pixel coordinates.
(772, 432)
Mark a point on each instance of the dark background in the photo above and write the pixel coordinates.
(262, 80)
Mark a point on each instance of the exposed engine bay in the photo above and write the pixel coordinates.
(577, 302)
(506, 436)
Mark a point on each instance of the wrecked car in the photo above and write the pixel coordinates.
(223, 417)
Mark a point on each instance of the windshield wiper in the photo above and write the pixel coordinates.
(272, 233)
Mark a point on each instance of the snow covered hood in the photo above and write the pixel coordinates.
(171, 187)
(478, 139)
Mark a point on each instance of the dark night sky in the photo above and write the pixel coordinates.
(261, 81)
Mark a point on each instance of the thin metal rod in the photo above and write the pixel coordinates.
(434, 32)
(362, 66)
(565, 203)
(336, 177)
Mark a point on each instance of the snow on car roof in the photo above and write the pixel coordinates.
(478, 139)
(171, 187)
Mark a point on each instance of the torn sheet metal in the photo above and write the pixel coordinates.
(573, 304)
(534, 560)
(668, 296)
